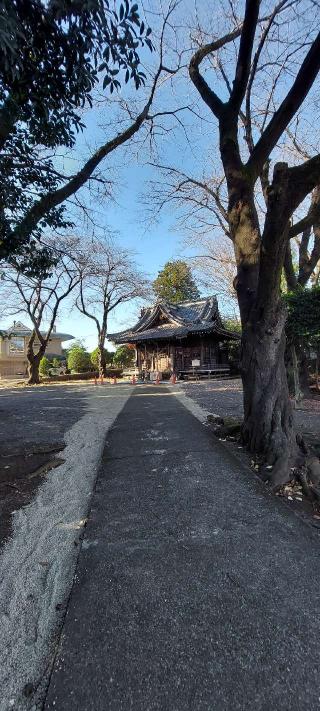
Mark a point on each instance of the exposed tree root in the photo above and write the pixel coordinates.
(300, 467)
(281, 472)
(295, 464)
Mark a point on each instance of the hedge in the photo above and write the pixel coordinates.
(117, 373)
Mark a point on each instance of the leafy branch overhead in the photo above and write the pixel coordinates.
(122, 51)
(52, 56)
(69, 43)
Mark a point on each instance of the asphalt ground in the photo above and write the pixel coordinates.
(38, 414)
(195, 589)
(33, 422)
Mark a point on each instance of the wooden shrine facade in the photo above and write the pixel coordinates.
(207, 353)
(179, 338)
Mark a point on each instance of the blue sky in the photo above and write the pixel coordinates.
(153, 247)
(193, 149)
(154, 241)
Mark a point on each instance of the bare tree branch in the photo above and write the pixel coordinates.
(287, 109)
(207, 94)
(108, 278)
(253, 70)
(244, 56)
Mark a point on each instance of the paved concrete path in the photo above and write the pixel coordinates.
(195, 589)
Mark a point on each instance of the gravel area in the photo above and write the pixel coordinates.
(220, 397)
(37, 564)
(224, 397)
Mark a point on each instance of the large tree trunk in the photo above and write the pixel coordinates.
(34, 361)
(33, 371)
(102, 360)
(242, 216)
(268, 427)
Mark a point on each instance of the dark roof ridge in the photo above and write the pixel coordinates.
(188, 302)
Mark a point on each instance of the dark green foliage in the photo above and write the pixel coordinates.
(94, 356)
(78, 359)
(303, 337)
(304, 315)
(124, 356)
(175, 282)
(233, 324)
(233, 347)
(44, 366)
(52, 55)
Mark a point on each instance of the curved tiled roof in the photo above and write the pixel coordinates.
(19, 329)
(189, 317)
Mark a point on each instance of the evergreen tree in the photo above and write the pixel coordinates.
(94, 356)
(44, 366)
(78, 359)
(124, 356)
(175, 282)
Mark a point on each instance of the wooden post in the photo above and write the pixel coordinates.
(201, 352)
(172, 357)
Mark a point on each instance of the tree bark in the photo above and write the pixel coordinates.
(242, 216)
(33, 371)
(268, 427)
(102, 360)
(34, 361)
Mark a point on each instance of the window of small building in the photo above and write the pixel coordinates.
(16, 344)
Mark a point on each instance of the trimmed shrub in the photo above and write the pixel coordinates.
(94, 356)
(111, 373)
(124, 356)
(44, 366)
(78, 359)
